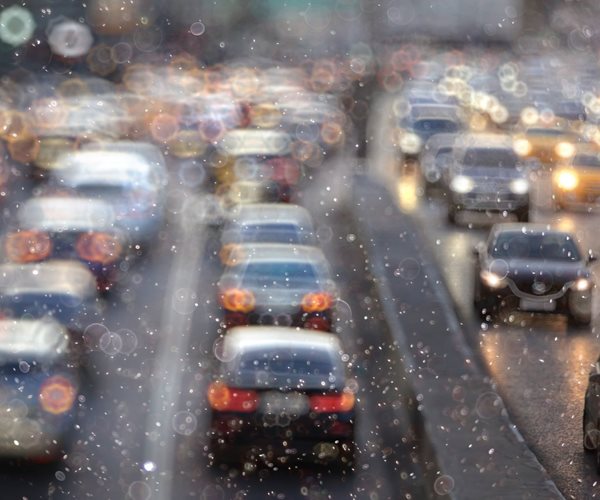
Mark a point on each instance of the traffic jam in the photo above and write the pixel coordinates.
(188, 305)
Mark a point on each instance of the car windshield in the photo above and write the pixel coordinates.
(281, 275)
(435, 126)
(516, 245)
(587, 161)
(490, 157)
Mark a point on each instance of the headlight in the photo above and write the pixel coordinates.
(567, 180)
(492, 279)
(462, 184)
(410, 143)
(519, 186)
(522, 147)
(582, 284)
(564, 149)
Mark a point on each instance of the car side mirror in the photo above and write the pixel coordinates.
(592, 257)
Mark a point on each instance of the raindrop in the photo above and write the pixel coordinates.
(111, 343)
(139, 490)
(443, 485)
(184, 423)
(197, 28)
(60, 475)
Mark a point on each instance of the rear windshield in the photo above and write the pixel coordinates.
(435, 126)
(271, 233)
(516, 245)
(281, 275)
(286, 368)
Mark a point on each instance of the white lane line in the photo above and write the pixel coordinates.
(169, 369)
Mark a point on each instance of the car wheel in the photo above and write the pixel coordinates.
(588, 444)
(523, 215)
(485, 304)
(579, 320)
(452, 210)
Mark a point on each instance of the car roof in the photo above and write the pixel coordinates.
(69, 277)
(244, 338)
(484, 140)
(279, 252)
(529, 228)
(28, 338)
(103, 167)
(255, 142)
(64, 213)
(270, 213)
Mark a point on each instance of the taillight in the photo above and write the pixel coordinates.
(285, 170)
(57, 395)
(231, 254)
(28, 246)
(316, 302)
(223, 398)
(99, 247)
(332, 403)
(317, 323)
(238, 300)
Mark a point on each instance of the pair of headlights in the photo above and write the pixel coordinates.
(563, 149)
(463, 184)
(492, 280)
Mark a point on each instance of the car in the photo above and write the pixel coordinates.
(278, 395)
(487, 176)
(591, 414)
(550, 143)
(423, 121)
(63, 227)
(533, 267)
(261, 157)
(279, 284)
(40, 381)
(126, 178)
(578, 183)
(62, 289)
(267, 223)
(435, 159)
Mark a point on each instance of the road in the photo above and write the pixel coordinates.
(539, 364)
(142, 423)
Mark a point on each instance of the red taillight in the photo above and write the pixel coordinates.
(238, 300)
(316, 302)
(57, 395)
(332, 403)
(223, 398)
(99, 247)
(285, 170)
(28, 246)
(317, 323)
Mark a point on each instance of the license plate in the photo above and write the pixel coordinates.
(289, 403)
(534, 305)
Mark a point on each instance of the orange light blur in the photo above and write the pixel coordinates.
(57, 395)
(14, 125)
(99, 247)
(25, 149)
(49, 113)
(238, 300)
(164, 127)
(223, 398)
(331, 132)
(332, 403)
(27, 246)
(231, 254)
(316, 302)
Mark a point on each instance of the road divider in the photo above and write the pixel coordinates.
(471, 447)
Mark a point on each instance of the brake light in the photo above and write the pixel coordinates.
(285, 170)
(332, 403)
(28, 246)
(223, 398)
(316, 302)
(238, 300)
(57, 395)
(102, 248)
(318, 323)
